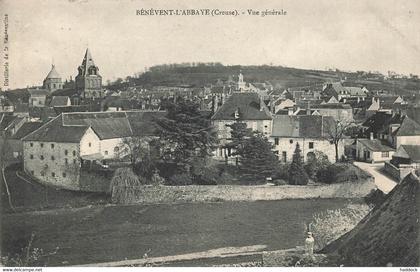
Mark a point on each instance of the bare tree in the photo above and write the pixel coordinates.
(133, 147)
(336, 131)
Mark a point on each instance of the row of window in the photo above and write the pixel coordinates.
(52, 174)
(52, 158)
(276, 142)
(66, 152)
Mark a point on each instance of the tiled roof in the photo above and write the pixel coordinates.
(408, 127)
(249, 105)
(22, 107)
(375, 145)
(413, 152)
(26, 128)
(6, 120)
(107, 125)
(55, 131)
(308, 126)
(58, 101)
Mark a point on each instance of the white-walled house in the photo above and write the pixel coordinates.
(312, 132)
(373, 150)
(56, 152)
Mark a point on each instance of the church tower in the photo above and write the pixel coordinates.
(88, 80)
(53, 80)
(241, 84)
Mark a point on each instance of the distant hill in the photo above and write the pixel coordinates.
(280, 77)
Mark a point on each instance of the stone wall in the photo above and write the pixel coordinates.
(202, 193)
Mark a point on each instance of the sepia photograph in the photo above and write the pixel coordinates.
(219, 134)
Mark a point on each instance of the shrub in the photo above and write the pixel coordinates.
(282, 171)
(341, 172)
(316, 163)
(331, 224)
(180, 179)
(205, 171)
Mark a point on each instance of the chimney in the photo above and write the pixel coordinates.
(308, 111)
(371, 136)
(290, 111)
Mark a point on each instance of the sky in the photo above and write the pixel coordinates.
(378, 35)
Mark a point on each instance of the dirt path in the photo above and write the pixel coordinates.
(384, 183)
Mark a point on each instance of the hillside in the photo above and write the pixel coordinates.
(280, 77)
(389, 234)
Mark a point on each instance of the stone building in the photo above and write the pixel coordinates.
(245, 107)
(312, 132)
(37, 97)
(88, 81)
(58, 152)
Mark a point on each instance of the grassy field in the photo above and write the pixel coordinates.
(113, 233)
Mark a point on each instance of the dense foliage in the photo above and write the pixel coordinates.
(297, 174)
(185, 133)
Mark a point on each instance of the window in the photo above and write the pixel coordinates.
(291, 141)
(66, 161)
(52, 158)
(284, 156)
(64, 175)
(42, 157)
(90, 144)
(106, 152)
(41, 144)
(276, 141)
(66, 152)
(31, 156)
(385, 154)
(31, 144)
(52, 174)
(52, 146)
(74, 153)
(311, 144)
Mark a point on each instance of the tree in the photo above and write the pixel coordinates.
(315, 163)
(142, 154)
(185, 133)
(336, 131)
(297, 174)
(257, 158)
(239, 133)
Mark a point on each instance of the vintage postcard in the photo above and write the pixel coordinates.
(192, 133)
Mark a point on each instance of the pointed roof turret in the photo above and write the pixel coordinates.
(53, 73)
(87, 63)
(88, 60)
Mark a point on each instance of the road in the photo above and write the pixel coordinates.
(384, 183)
(117, 233)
